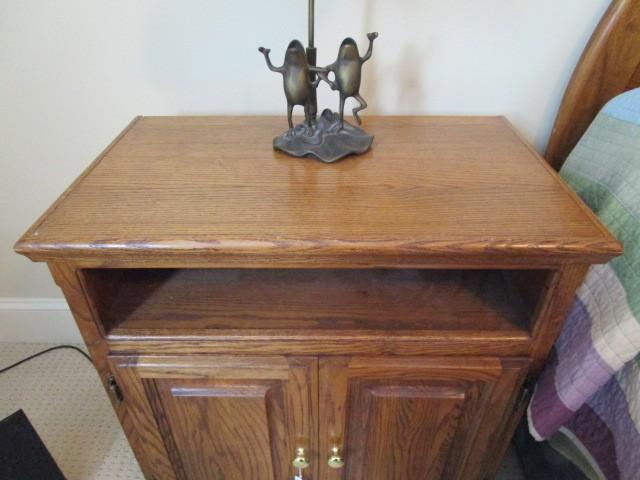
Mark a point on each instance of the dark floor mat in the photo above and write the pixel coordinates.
(540, 461)
(23, 456)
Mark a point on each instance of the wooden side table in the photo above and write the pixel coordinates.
(374, 319)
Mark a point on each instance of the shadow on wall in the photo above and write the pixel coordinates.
(370, 75)
(407, 69)
(411, 84)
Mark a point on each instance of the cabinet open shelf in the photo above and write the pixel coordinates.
(163, 301)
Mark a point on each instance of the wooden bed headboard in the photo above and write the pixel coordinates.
(610, 65)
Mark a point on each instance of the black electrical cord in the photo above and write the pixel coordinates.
(58, 347)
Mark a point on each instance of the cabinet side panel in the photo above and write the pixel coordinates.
(552, 309)
(69, 281)
(68, 278)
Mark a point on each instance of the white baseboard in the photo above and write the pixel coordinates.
(41, 320)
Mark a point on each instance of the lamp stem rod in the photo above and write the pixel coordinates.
(311, 23)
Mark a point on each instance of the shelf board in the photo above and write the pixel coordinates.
(195, 301)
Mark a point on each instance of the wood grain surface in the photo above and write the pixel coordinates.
(192, 301)
(224, 417)
(427, 418)
(238, 296)
(552, 310)
(210, 191)
(151, 455)
(610, 65)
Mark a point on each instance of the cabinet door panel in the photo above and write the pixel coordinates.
(221, 417)
(225, 431)
(390, 421)
(412, 418)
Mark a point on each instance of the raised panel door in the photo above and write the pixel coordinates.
(223, 418)
(412, 418)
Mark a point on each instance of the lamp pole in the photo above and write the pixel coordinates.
(311, 22)
(311, 58)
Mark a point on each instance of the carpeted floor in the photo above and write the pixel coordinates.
(62, 396)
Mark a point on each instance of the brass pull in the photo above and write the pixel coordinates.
(301, 460)
(335, 460)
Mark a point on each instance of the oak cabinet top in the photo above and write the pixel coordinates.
(209, 191)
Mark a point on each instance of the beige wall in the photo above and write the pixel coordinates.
(74, 72)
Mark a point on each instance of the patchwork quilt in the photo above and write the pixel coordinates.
(590, 389)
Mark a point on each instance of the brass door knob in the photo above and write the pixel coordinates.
(301, 460)
(335, 460)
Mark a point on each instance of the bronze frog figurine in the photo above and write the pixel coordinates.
(348, 74)
(326, 137)
(299, 89)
